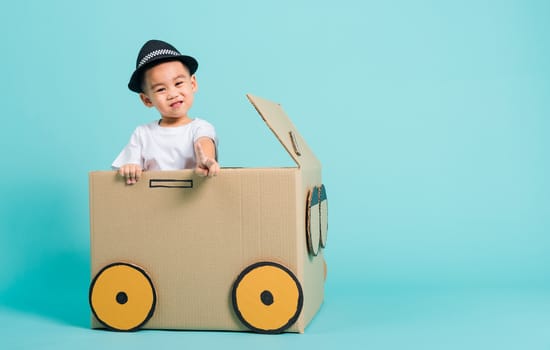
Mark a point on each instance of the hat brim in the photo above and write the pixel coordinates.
(137, 76)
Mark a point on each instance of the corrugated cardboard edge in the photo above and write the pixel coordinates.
(93, 321)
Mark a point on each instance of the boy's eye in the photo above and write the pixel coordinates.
(179, 83)
(160, 90)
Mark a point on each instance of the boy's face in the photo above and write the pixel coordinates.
(170, 89)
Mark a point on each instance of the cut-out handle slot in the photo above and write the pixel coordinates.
(169, 183)
(295, 144)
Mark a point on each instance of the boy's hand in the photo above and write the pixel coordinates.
(206, 166)
(131, 172)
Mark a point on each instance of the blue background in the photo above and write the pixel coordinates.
(431, 119)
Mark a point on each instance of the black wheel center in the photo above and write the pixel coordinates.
(266, 297)
(121, 298)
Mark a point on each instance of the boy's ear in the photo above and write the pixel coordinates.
(146, 100)
(194, 84)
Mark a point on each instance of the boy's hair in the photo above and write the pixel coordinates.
(154, 52)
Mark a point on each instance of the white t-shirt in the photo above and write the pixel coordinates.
(154, 147)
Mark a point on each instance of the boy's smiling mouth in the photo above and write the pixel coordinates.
(176, 104)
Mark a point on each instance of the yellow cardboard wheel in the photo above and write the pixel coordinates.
(267, 297)
(313, 228)
(122, 297)
(323, 215)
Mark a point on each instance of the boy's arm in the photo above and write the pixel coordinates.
(205, 152)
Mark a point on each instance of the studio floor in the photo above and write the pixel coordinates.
(416, 318)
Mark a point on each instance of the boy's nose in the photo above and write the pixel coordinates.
(172, 94)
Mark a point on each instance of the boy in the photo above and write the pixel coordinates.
(165, 79)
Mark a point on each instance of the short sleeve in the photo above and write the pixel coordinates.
(205, 129)
(131, 154)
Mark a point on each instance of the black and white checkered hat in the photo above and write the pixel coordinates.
(154, 52)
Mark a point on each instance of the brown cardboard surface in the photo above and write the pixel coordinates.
(194, 236)
(285, 131)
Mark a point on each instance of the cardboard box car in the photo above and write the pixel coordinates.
(239, 251)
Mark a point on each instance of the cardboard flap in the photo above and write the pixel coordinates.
(280, 124)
